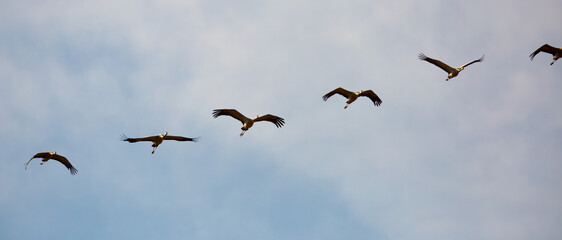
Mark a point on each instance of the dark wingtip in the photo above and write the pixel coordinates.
(422, 56)
(73, 171)
(533, 54)
(280, 122)
(123, 137)
(216, 113)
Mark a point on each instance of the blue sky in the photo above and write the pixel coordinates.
(477, 157)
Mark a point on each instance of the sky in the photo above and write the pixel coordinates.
(476, 157)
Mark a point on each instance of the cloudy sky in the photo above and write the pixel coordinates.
(477, 157)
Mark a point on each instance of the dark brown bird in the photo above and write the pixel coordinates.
(53, 155)
(453, 72)
(556, 52)
(157, 140)
(247, 123)
(352, 96)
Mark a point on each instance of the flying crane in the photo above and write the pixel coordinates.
(352, 96)
(158, 139)
(556, 52)
(53, 155)
(247, 123)
(453, 72)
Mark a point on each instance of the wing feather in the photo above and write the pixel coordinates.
(436, 62)
(544, 48)
(475, 61)
(230, 112)
(370, 94)
(180, 138)
(339, 91)
(132, 140)
(66, 163)
(27, 163)
(38, 155)
(41, 155)
(271, 118)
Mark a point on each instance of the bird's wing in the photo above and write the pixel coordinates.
(37, 155)
(230, 112)
(132, 140)
(544, 48)
(66, 163)
(180, 138)
(27, 163)
(271, 118)
(436, 62)
(339, 91)
(475, 61)
(370, 94)
(41, 155)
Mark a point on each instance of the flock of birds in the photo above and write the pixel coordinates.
(247, 123)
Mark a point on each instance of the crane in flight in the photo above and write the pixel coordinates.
(158, 139)
(247, 123)
(453, 72)
(352, 96)
(53, 155)
(556, 52)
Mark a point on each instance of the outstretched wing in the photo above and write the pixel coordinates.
(132, 140)
(230, 112)
(271, 118)
(475, 61)
(66, 163)
(38, 155)
(42, 155)
(544, 48)
(180, 138)
(370, 94)
(339, 91)
(436, 62)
